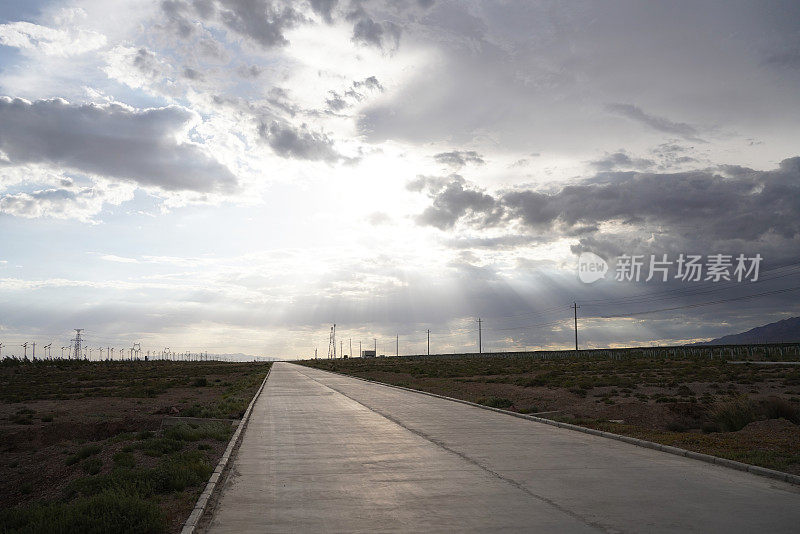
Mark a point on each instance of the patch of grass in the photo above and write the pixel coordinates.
(218, 431)
(83, 453)
(109, 511)
(496, 402)
(734, 415)
(174, 472)
(200, 382)
(124, 460)
(160, 446)
(22, 419)
(92, 465)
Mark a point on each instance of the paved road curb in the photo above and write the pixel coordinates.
(739, 466)
(202, 502)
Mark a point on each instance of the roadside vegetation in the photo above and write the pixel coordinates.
(745, 412)
(92, 447)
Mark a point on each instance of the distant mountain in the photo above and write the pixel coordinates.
(786, 331)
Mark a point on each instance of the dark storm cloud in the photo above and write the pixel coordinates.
(458, 158)
(324, 8)
(353, 94)
(252, 72)
(687, 131)
(263, 21)
(384, 35)
(379, 34)
(146, 62)
(335, 102)
(457, 201)
(298, 142)
(192, 74)
(369, 83)
(112, 141)
(734, 206)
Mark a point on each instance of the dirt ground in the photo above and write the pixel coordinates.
(50, 411)
(749, 413)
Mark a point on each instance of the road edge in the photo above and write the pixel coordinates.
(190, 526)
(707, 458)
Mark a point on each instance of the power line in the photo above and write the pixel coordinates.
(700, 304)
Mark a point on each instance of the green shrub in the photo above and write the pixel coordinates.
(160, 446)
(734, 415)
(200, 382)
(22, 419)
(189, 432)
(175, 472)
(92, 465)
(496, 402)
(124, 460)
(83, 453)
(110, 511)
(777, 408)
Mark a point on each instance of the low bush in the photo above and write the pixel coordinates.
(92, 465)
(124, 460)
(83, 453)
(189, 432)
(777, 408)
(734, 415)
(109, 511)
(160, 446)
(496, 402)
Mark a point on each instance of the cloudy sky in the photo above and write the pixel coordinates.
(236, 175)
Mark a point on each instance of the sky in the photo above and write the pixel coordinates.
(238, 175)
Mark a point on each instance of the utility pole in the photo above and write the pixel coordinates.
(575, 310)
(429, 341)
(480, 341)
(47, 351)
(1, 350)
(34, 350)
(351, 347)
(341, 349)
(397, 345)
(360, 352)
(376, 346)
(25, 347)
(315, 353)
(77, 342)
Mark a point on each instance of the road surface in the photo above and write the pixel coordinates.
(327, 453)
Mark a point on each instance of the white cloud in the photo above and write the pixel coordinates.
(50, 41)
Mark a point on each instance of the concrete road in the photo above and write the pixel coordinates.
(326, 453)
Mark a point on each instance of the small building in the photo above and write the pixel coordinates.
(367, 353)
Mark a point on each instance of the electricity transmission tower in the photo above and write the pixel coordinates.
(332, 343)
(77, 343)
